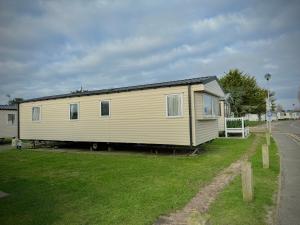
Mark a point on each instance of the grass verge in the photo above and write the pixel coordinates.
(229, 208)
(94, 188)
(255, 123)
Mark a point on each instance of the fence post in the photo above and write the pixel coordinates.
(243, 128)
(265, 156)
(226, 135)
(268, 138)
(247, 181)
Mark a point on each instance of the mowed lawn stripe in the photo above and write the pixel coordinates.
(83, 188)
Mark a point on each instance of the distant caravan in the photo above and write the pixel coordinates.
(8, 121)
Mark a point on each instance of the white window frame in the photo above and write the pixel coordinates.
(78, 107)
(109, 108)
(181, 109)
(40, 116)
(11, 124)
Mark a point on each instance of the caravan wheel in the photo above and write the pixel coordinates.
(95, 146)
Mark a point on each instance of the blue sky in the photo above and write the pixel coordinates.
(53, 47)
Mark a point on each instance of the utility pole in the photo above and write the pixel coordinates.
(268, 106)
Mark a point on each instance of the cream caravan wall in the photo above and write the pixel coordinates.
(6, 129)
(206, 130)
(136, 117)
(221, 118)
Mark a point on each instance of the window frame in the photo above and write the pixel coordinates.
(109, 108)
(14, 121)
(78, 109)
(181, 107)
(213, 114)
(40, 115)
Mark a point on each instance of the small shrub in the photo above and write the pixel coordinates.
(236, 123)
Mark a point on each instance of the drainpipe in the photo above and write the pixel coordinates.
(190, 116)
(18, 108)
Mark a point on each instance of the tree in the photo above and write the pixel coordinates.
(247, 96)
(15, 101)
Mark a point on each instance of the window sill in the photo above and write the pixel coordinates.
(174, 117)
(104, 117)
(208, 118)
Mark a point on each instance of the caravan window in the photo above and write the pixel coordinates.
(105, 108)
(174, 105)
(11, 119)
(36, 113)
(210, 105)
(74, 111)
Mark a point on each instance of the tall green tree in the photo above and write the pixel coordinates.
(247, 96)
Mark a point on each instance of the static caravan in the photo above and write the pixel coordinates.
(8, 121)
(183, 112)
(280, 115)
(252, 117)
(287, 115)
(295, 115)
(221, 118)
(274, 116)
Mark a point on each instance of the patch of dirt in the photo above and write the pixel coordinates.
(194, 211)
(3, 194)
(272, 211)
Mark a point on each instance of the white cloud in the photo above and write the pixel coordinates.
(270, 66)
(55, 46)
(218, 22)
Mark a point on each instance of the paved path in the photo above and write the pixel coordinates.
(287, 136)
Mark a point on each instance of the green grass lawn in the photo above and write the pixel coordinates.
(105, 188)
(255, 123)
(229, 208)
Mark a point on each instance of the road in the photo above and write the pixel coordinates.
(287, 136)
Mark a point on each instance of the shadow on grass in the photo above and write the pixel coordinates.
(28, 199)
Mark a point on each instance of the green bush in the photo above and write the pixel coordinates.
(236, 123)
(246, 123)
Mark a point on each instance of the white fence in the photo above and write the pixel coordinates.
(240, 128)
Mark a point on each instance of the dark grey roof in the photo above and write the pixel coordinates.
(8, 107)
(198, 80)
